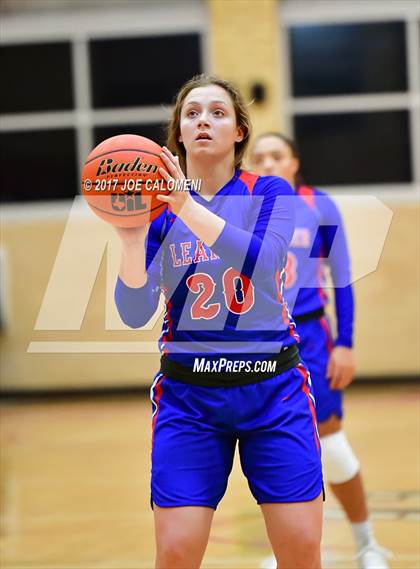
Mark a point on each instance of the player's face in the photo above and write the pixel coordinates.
(271, 156)
(208, 124)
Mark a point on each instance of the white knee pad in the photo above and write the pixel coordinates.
(339, 463)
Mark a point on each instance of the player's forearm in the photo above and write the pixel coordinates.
(244, 250)
(133, 264)
(344, 308)
(136, 305)
(202, 222)
(135, 300)
(212, 229)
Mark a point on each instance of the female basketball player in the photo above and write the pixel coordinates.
(319, 239)
(230, 369)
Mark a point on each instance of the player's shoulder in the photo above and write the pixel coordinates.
(320, 193)
(314, 197)
(274, 184)
(325, 201)
(322, 202)
(317, 193)
(324, 198)
(265, 185)
(305, 190)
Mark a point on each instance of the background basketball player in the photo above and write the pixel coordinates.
(319, 240)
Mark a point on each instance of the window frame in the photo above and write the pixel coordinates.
(80, 26)
(304, 12)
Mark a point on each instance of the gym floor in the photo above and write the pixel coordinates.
(75, 485)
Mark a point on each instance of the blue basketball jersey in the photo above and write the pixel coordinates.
(319, 243)
(227, 299)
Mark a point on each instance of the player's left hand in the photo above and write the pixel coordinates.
(341, 367)
(177, 199)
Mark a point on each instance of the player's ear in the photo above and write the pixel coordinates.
(239, 134)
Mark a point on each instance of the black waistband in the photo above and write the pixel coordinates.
(286, 359)
(314, 315)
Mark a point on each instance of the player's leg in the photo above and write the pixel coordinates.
(280, 456)
(192, 456)
(294, 531)
(340, 465)
(342, 471)
(181, 536)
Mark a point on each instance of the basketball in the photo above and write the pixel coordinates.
(121, 179)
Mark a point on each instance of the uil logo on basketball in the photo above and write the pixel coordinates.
(123, 202)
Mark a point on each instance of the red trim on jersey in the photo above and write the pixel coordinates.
(285, 312)
(156, 397)
(293, 333)
(167, 337)
(285, 316)
(307, 194)
(305, 388)
(249, 179)
(277, 277)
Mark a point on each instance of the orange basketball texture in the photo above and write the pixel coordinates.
(121, 179)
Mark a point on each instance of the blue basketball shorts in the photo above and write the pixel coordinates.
(315, 347)
(196, 429)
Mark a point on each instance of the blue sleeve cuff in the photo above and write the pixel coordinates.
(135, 305)
(346, 342)
(344, 309)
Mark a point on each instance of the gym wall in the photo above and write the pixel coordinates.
(48, 247)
